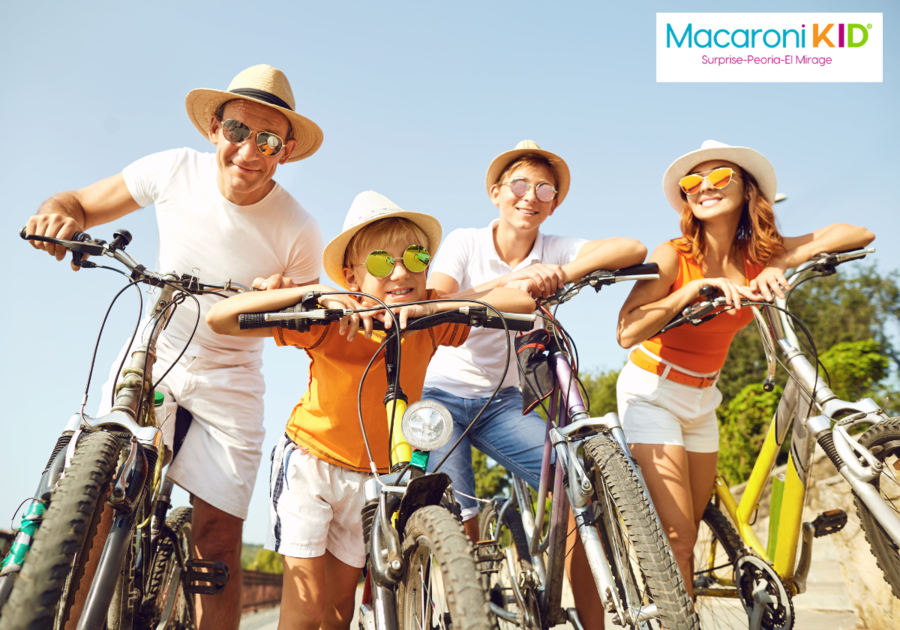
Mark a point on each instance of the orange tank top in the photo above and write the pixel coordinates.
(700, 348)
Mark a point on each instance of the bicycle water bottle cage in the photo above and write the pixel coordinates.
(205, 577)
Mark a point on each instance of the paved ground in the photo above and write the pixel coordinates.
(825, 605)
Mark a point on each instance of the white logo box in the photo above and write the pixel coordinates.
(769, 47)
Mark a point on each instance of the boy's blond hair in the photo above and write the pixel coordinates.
(375, 235)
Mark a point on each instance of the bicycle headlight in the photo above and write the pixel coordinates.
(427, 425)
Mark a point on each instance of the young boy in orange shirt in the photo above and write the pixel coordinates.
(320, 465)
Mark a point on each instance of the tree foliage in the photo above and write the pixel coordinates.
(491, 479)
(267, 561)
(743, 425)
(855, 367)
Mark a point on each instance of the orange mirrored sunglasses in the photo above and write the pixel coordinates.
(719, 179)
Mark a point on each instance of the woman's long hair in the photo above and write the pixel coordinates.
(756, 234)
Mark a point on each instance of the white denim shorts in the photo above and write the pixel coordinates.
(220, 455)
(654, 410)
(315, 506)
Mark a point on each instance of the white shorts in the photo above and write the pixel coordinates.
(315, 506)
(654, 410)
(220, 456)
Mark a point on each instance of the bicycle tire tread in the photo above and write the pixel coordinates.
(655, 558)
(39, 586)
(880, 543)
(159, 564)
(465, 596)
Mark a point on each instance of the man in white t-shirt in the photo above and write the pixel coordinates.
(526, 184)
(221, 216)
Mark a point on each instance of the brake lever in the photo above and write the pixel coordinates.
(89, 248)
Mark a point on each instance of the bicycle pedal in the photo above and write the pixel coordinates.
(829, 522)
(205, 577)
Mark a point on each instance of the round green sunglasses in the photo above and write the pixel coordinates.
(381, 264)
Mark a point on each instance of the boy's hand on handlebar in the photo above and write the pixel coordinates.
(403, 314)
(545, 279)
(770, 280)
(53, 226)
(350, 324)
(275, 281)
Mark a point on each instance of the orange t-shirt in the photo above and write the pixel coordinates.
(325, 420)
(700, 348)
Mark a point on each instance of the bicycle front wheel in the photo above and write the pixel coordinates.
(62, 546)
(636, 547)
(883, 441)
(165, 597)
(441, 587)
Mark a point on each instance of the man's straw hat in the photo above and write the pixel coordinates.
(530, 147)
(368, 207)
(748, 159)
(258, 84)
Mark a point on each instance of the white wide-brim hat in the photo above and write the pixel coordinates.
(368, 207)
(530, 147)
(258, 84)
(748, 159)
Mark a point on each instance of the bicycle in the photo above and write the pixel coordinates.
(146, 572)
(421, 573)
(633, 568)
(733, 563)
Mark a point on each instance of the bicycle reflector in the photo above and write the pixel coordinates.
(427, 425)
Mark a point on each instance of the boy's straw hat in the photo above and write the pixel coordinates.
(748, 159)
(259, 84)
(368, 207)
(530, 147)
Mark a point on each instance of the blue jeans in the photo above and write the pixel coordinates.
(502, 433)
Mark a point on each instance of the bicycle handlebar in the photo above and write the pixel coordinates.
(601, 278)
(700, 312)
(82, 245)
(293, 318)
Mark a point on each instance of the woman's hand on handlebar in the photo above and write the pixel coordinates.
(731, 291)
(770, 280)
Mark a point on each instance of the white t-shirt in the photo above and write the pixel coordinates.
(203, 234)
(469, 257)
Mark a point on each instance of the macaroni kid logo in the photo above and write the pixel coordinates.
(783, 47)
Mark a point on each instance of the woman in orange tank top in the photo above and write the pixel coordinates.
(667, 394)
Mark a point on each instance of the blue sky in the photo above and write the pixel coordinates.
(415, 99)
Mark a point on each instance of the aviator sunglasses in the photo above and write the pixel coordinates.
(267, 142)
(519, 186)
(381, 264)
(718, 179)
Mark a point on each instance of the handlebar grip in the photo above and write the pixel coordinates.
(708, 290)
(638, 270)
(248, 321)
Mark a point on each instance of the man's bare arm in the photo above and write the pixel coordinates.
(78, 210)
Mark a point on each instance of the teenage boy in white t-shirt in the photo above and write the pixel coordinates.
(223, 215)
(527, 184)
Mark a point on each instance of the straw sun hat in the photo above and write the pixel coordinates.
(530, 147)
(258, 84)
(748, 159)
(369, 206)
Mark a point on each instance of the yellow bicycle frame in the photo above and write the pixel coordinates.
(791, 507)
(401, 451)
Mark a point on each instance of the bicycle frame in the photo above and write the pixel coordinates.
(857, 470)
(569, 425)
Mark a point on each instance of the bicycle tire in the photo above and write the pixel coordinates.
(66, 535)
(434, 539)
(162, 567)
(495, 570)
(717, 550)
(883, 441)
(631, 532)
